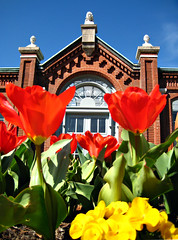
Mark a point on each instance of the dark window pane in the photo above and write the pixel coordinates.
(93, 124)
(59, 131)
(1, 117)
(71, 124)
(79, 124)
(102, 125)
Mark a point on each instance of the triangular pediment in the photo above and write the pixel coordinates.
(105, 60)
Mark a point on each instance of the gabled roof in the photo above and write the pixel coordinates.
(62, 52)
(78, 41)
(117, 54)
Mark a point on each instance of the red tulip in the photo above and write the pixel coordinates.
(134, 109)
(73, 143)
(9, 139)
(95, 143)
(40, 112)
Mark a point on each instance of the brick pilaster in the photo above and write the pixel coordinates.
(147, 56)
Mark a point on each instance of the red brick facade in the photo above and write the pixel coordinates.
(105, 62)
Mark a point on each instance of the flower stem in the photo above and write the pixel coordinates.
(137, 145)
(0, 163)
(39, 165)
(134, 142)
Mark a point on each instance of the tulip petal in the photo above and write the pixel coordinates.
(8, 112)
(41, 112)
(9, 140)
(134, 109)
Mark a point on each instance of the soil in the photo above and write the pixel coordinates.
(25, 233)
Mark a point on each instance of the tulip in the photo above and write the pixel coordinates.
(94, 143)
(40, 112)
(73, 143)
(134, 109)
(9, 139)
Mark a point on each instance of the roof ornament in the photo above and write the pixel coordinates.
(89, 18)
(146, 38)
(32, 40)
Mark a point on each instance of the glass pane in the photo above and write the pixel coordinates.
(79, 124)
(59, 131)
(71, 124)
(102, 125)
(93, 124)
(1, 117)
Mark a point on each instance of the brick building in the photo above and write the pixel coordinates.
(95, 68)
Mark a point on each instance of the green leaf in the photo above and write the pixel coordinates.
(163, 164)
(146, 184)
(55, 207)
(54, 165)
(82, 193)
(55, 147)
(11, 213)
(126, 194)
(83, 189)
(155, 152)
(2, 183)
(23, 174)
(81, 156)
(26, 153)
(125, 135)
(111, 191)
(6, 160)
(35, 215)
(88, 170)
(27, 208)
(9, 185)
(30, 208)
(101, 154)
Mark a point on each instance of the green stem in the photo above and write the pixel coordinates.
(134, 142)
(0, 163)
(137, 145)
(39, 165)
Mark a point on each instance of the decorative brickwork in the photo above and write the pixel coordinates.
(7, 77)
(105, 62)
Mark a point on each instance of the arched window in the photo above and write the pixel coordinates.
(88, 110)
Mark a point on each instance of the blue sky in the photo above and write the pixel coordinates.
(121, 24)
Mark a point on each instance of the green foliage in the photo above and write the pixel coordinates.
(55, 165)
(112, 190)
(137, 168)
(29, 208)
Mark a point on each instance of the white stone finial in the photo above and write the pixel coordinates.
(89, 18)
(146, 38)
(32, 40)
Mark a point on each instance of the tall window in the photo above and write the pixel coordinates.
(88, 110)
(174, 112)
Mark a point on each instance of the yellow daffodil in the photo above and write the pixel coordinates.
(78, 225)
(118, 207)
(99, 210)
(92, 230)
(141, 212)
(121, 227)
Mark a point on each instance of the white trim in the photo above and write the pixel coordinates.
(148, 55)
(30, 56)
(87, 110)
